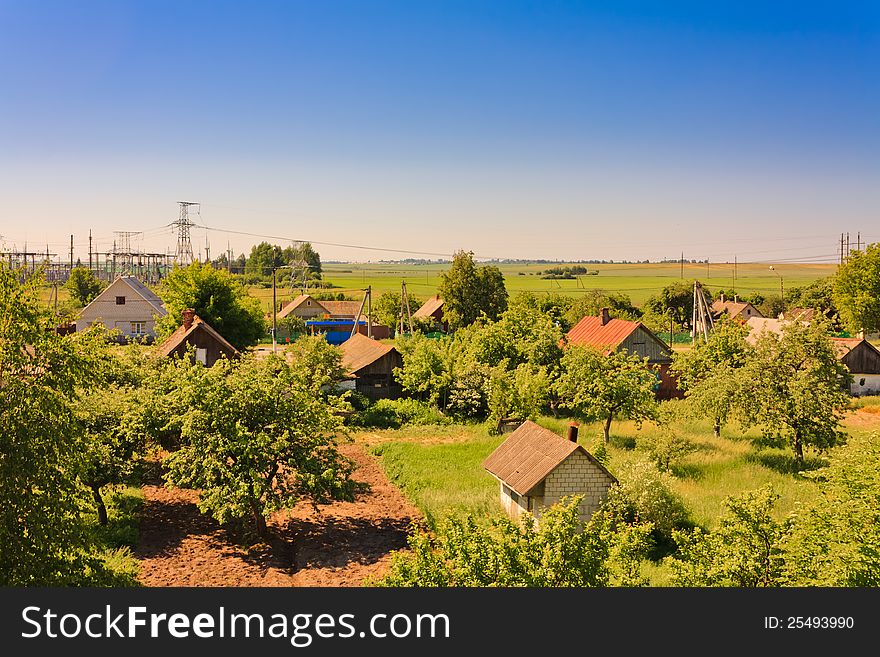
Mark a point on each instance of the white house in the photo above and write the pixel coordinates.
(127, 305)
(536, 468)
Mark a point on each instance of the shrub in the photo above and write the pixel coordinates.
(393, 414)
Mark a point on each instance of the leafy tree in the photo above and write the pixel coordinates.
(677, 297)
(386, 308)
(857, 290)
(315, 362)
(707, 371)
(560, 552)
(113, 440)
(425, 372)
(793, 387)
(41, 498)
(835, 539)
(470, 291)
(668, 447)
(519, 393)
(83, 286)
(521, 335)
(263, 258)
(600, 387)
(745, 550)
(819, 295)
(258, 439)
(217, 298)
(619, 306)
(304, 253)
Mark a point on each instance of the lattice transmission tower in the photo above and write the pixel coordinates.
(184, 255)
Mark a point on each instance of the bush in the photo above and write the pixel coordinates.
(644, 495)
(393, 414)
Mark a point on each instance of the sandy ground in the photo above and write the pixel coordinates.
(338, 545)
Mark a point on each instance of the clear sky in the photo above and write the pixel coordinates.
(570, 130)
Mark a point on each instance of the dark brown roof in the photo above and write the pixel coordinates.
(342, 308)
(530, 454)
(289, 307)
(180, 335)
(428, 308)
(359, 351)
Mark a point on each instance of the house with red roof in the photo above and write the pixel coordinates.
(609, 334)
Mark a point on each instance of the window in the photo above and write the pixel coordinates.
(120, 301)
(202, 355)
(138, 328)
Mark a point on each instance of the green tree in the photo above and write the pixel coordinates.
(386, 308)
(304, 253)
(520, 393)
(560, 552)
(599, 387)
(676, 297)
(793, 387)
(41, 498)
(263, 258)
(745, 550)
(521, 335)
(83, 286)
(835, 539)
(258, 439)
(113, 440)
(708, 371)
(217, 298)
(470, 291)
(619, 306)
(857, 290)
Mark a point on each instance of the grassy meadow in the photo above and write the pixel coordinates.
(440, 468)
(639, 281)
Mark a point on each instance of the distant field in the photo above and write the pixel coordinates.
(639, 281)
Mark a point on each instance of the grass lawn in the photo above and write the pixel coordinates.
(439, 468)
(119, 536)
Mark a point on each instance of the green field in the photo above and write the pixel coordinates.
(639, 281)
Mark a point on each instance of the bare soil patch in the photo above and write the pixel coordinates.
(339, 544)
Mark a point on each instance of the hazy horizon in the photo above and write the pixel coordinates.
(563, 131)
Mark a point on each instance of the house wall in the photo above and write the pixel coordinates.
(862, 360)
(645, 344)
(514, 504)
(865, 384)
(105, 310)
(376, 380)
(577, 475)
(201, 339)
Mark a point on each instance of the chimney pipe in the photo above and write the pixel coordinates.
(188, 316)
(573, 432)
(722, 297)
(604, 317)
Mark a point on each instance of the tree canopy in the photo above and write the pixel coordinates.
(470, 291)
(83, 286)
(857, 290)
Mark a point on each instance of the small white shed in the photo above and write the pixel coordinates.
(536, 468)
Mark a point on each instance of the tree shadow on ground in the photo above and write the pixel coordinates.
(692, 471)
(786, 463)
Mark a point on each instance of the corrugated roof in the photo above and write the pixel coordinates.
(180, 335)
(592, 333)
(843, 346)
(428, 308)
(732, 308)
(359, 351)
(530, 454)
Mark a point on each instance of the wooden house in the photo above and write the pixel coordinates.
(432, 311)
(536, 468)
(608, 335)
(196, 333)
(126, 305)
(862, 359)
(734, 309)
(371, 364)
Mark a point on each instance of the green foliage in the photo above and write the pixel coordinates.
(857, 290)
(519, 393)
(387, 306)
(595, 386)
(83, 286)
(667, 447)
(41, 498)
(258, 438)
(708, 371)
(393, 414)
(469, 291)
(819, 295)
(619, 306)
(521, 335)
(644, 494)
(792, 387)
(835, 540)
(744, 551)
(217, 298)
(676, 298)
(559, 552)
(315, 362)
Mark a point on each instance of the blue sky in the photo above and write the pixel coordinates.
(514, 129)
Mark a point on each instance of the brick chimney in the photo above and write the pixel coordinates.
(604, 317)
(188, 315)
(722, 297)
(573, 432)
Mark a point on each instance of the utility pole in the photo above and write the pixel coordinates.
(228, 258)
(734, 275)
(841, 248)
(274, 313)
(682, 265)
(369, 311)
(71, 253)
(90, 249)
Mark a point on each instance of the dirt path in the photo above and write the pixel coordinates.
(338, 545)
